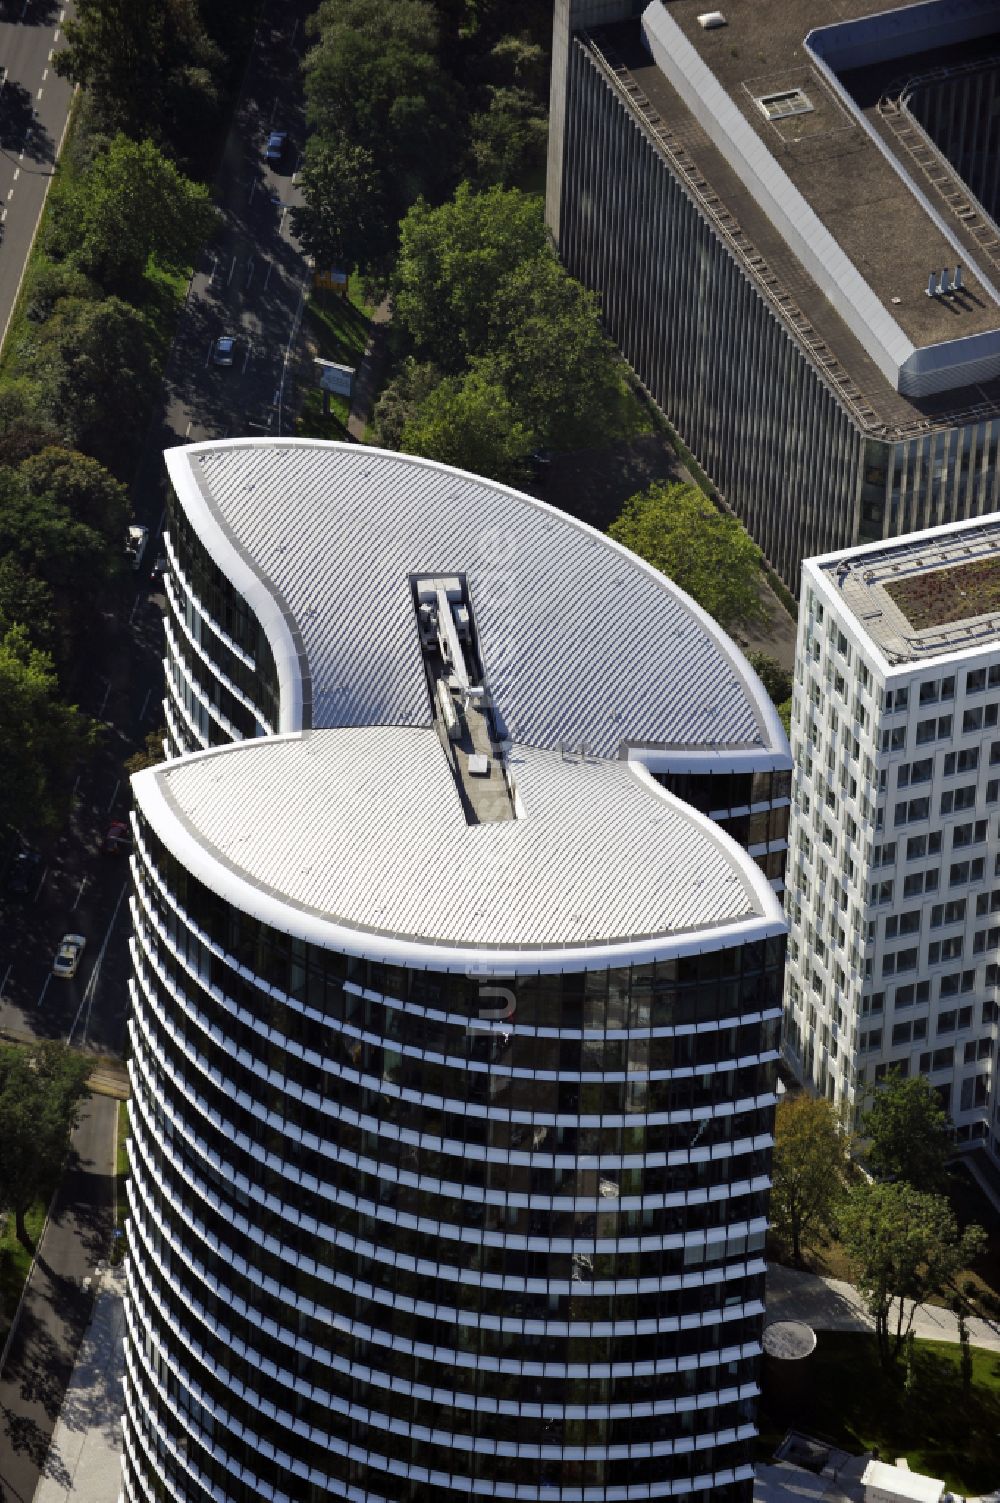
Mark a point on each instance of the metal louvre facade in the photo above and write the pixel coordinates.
(382, 1249)
(740, 392)
(799, 468)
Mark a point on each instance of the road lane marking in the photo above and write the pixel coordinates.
(38, 890)
(250, 269)
(45, 74)
(246, 358)
(270, 268)
(231, 270)
(6, 978)
(187, 430)
(41, 994)
(10, 194)
(79, 893)
(142, 712)
(39, 94)
(17, 173)
(91, 987)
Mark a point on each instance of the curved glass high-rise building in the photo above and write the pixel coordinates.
(454, 1030)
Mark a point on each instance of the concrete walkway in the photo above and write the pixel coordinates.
(56, 1306)
(833, 1305)
(84, 1460)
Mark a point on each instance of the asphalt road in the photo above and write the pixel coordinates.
(250, 284)
(34, 105)
(57, 1304)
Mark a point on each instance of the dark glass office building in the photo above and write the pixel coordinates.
(454, 1031)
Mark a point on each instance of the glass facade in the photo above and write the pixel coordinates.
(222, 683)
(752, 807)
(406, 1234)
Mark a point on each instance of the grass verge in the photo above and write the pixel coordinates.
(336, 329)
(848, 1399)
(15, 1261)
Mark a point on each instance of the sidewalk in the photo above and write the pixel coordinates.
(833, 1305)
(84, 1460)
(57, 1302)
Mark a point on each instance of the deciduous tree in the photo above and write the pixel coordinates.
(808, 1170)
(131, 207)
(451, 261)
(678, 530)
(904, 1246)
(401, 401)
(343, 220)
(547, 349)
(911, 1135)
(42, 740)
(468, 421)
(41, 1087)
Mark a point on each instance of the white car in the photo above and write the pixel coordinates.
(68, 955)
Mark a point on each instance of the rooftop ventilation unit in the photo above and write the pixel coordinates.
(782, 106)
(709, 20)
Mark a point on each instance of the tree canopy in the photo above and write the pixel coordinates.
(131, 207)
(41, 1088)
(558, 368)
(451, 261)
(677, 529)
(911, 1135)
(150, 67)
(904, 1246)
(344, 219)
(42, 740)
(468, 421)
(98, 374)
(808, 1170)
(374, 81)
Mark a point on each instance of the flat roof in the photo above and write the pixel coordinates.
(931, 594)
(581, 642)
(882, 241)
(357, 838)
(902, 1483)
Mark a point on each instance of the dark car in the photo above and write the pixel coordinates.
(23, 873)
(274, 151)
(117, 839)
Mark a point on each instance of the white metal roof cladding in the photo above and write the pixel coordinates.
(582, 643)
(363, 830)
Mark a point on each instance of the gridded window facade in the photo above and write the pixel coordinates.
(222, 684)
(400, 1234)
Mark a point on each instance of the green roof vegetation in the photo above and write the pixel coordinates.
(942, 596)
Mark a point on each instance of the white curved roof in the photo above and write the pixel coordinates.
(582, 642)
(357, 839)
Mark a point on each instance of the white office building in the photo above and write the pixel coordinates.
(893, 882)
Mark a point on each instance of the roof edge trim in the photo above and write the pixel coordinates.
(244, 578)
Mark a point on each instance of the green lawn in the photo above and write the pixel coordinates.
(337, 329)
(15, 1261)
(849, 1400)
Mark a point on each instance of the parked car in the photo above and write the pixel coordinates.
(135, 544)
(23, 873)
(68, 955)
(274, 151)
(116, 839)
(224, 350)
